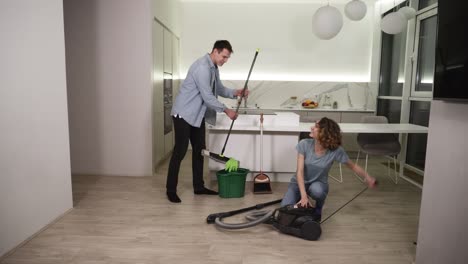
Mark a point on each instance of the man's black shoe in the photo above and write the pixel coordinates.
(172, 196)
(205, 191)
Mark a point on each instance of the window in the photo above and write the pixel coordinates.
(425, 43)
(392, 64)
(416, 148)
(389, 108)
(406, 77)
(426, 3)
(392, 73)
(421, 86)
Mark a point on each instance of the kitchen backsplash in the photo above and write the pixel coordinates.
(277, 94)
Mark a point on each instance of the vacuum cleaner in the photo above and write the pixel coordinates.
(291, 219)
(302, 222)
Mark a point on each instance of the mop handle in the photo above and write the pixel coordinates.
(261, 143)
(240, 100)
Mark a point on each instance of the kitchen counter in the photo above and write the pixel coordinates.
(300, 108)
(345, 128)
(280, 137)
(245, 138)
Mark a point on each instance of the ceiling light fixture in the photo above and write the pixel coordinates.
(393, 23)
(355, 10)
(408, 12)
(327, 22)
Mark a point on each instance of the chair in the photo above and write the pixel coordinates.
(303, 135)
(380, 144)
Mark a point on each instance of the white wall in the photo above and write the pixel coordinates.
(283, 31)
(35, 181)
(443, 234)
(109, 67)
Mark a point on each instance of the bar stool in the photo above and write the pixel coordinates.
(382, 144)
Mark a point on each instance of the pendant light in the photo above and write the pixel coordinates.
(408, 12)
(327, 22)
(355, 10)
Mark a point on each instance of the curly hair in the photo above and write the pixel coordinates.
(329, 134)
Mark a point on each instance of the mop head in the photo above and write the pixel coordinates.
(214, 156)
(231, 165)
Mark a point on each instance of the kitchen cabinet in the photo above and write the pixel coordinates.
(316, 115)
(165, 87)
(175, 72)
(167, 51)
(158, 105)
(168, 92)
(175, 66)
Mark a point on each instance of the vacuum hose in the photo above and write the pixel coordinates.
(254, 218)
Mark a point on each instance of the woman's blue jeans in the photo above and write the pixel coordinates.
(317, 190)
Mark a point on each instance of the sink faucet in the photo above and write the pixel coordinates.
(245, 102)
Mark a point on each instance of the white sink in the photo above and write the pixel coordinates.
(245, 108)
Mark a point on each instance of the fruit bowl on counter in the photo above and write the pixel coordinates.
(309, 104)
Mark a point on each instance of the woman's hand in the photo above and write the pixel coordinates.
(371, 181)
(304, 202)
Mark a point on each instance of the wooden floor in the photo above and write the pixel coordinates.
(129, 220)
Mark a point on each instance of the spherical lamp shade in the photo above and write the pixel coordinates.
(408, 12)
(393, 23)
(327, 22)
(355, 10)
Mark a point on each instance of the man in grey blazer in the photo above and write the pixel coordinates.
(196, 103)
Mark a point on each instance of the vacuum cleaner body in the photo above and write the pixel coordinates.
(299, 222)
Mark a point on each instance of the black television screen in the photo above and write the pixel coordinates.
(450, 77)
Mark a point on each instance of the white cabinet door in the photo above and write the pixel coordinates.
(313, 116)
(158, 65)
(167, 51)
(353, 117)
(175, 66)
(158, 106)
(158, 140)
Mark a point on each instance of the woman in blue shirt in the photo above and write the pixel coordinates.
(314, 160)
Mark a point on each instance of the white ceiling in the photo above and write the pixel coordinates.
(278, 1)
(270, 1)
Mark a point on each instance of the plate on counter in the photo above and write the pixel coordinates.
(312, 106)
(309, 104)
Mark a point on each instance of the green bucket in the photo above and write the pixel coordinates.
(231, 184)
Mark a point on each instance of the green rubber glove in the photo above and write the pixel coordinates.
(232, 165)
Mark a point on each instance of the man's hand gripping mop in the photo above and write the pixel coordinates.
(231, 163)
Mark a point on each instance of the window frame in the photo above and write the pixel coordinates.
(415, 56)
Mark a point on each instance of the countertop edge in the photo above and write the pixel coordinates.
(306, 110)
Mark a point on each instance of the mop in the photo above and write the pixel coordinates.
(231, 163)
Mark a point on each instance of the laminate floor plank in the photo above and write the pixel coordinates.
(122, 219)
